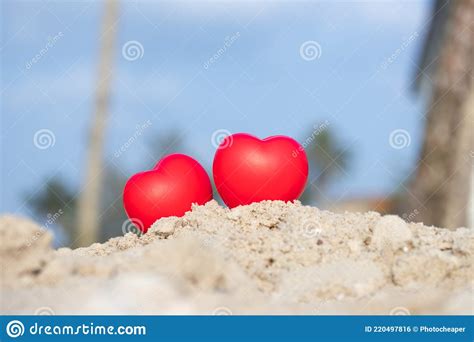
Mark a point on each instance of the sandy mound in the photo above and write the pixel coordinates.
(269, 257)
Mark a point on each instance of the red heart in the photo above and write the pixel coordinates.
(175, 183)
(247, 169)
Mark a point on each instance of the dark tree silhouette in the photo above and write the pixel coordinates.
(327, 160)
(56, 195)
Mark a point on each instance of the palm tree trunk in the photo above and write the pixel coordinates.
(89, 200)
(443, 182)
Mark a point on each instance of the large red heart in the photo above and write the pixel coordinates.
(174, 184)
(247, 169)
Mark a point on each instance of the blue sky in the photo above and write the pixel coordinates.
(360, 83)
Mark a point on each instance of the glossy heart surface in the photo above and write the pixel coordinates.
(247, 169)
(169, 189)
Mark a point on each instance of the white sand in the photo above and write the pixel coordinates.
(265, 258)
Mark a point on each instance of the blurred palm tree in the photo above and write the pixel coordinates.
(89, 200)
(327, 160)
(443, 190)
(57, 196)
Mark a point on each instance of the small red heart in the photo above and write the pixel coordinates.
(169, 189)
(247, 169)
